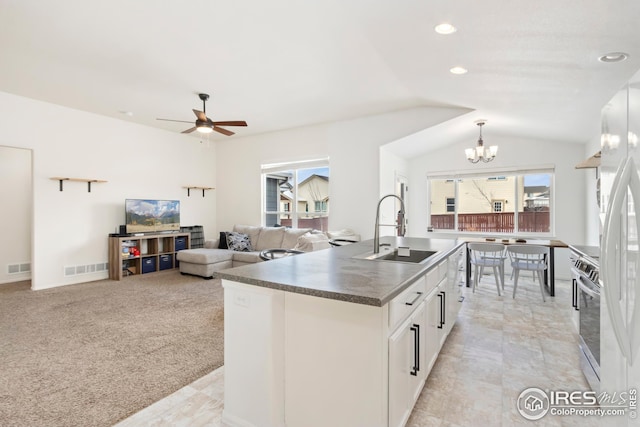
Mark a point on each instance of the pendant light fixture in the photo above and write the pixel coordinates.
(609, 142)
(474, 155)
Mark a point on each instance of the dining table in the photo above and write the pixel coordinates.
(549, 273)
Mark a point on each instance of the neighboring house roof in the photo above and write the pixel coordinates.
(289, 196)
(325, 178)
(536, 189)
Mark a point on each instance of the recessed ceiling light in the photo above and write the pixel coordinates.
(126, 113)
(445, 28)
(458, 70)
(613, 57)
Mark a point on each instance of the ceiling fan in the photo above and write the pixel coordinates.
(204, 124)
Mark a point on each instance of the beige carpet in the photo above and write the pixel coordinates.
(94, 353)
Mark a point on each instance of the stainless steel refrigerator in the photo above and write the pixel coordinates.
(620, 255)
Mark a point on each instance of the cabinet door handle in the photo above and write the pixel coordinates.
(574, 294)
(441, 311)
(416, 349)
(444, 307)
(415, 299)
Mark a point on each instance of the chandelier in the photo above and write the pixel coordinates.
(609, 142)
(474, 155)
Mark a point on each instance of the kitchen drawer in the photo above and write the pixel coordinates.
(435, 276)
(404, 304)
(442, 270)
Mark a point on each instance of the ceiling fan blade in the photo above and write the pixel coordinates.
(231, 123)
(171, 120)
(200, 115)
(189, 130)
(223, 131)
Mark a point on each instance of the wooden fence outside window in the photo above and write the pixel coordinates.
(497, 222)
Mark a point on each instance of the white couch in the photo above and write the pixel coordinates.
(206, 261)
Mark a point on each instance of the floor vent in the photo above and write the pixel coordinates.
(85, 269)
(19, 268)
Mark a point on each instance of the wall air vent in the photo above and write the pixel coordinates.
(74, 270)
(24, 267)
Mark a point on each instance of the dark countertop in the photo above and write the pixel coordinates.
(334, 274)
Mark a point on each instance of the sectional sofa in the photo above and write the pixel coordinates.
(249, 241)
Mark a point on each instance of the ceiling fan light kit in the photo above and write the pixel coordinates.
(203, 127)
(203, 124)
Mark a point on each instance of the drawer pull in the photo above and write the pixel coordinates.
(416, 349)
(415, 299)
(442, 308)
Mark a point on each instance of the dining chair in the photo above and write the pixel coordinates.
(483, 255)
(501, 258)
(530, 258)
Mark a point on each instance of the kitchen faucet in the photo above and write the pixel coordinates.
(399, 226)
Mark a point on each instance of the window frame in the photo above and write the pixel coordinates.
(494, 175)
(294, 167)
(494, 203)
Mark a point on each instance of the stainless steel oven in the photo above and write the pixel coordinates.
(587, 300)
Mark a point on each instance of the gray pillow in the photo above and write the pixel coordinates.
(238, 242)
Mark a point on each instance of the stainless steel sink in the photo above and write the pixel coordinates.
(415, 256)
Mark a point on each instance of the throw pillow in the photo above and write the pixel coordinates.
(223, 240)
(238, 242)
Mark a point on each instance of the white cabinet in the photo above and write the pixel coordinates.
(416, 343)
(407, 370)
(456, 274)
(444, 320)
(443, 303)
(433, 330)
(437, 284)
(298, 360)
(418, 373)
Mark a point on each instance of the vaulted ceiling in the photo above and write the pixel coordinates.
(533, 66)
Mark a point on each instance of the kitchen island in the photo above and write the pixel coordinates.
(326, 338)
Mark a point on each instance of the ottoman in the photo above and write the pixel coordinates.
(204, 262)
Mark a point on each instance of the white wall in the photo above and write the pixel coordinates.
(513, 152)
(591, 209)
(391, 166)
(15, 227)
(353, 150)
(71, 227)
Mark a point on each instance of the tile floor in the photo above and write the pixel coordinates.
(498, 347)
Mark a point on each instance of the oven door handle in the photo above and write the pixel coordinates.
(586, 289)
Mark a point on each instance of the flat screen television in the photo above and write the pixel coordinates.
(152, 216)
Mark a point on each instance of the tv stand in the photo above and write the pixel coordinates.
(157, 253)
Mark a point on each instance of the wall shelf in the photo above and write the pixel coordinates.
(193, 187)
(87, 180)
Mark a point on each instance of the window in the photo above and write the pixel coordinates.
(320, 205)
(514, 202)
(296, 194)
(451, 204)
